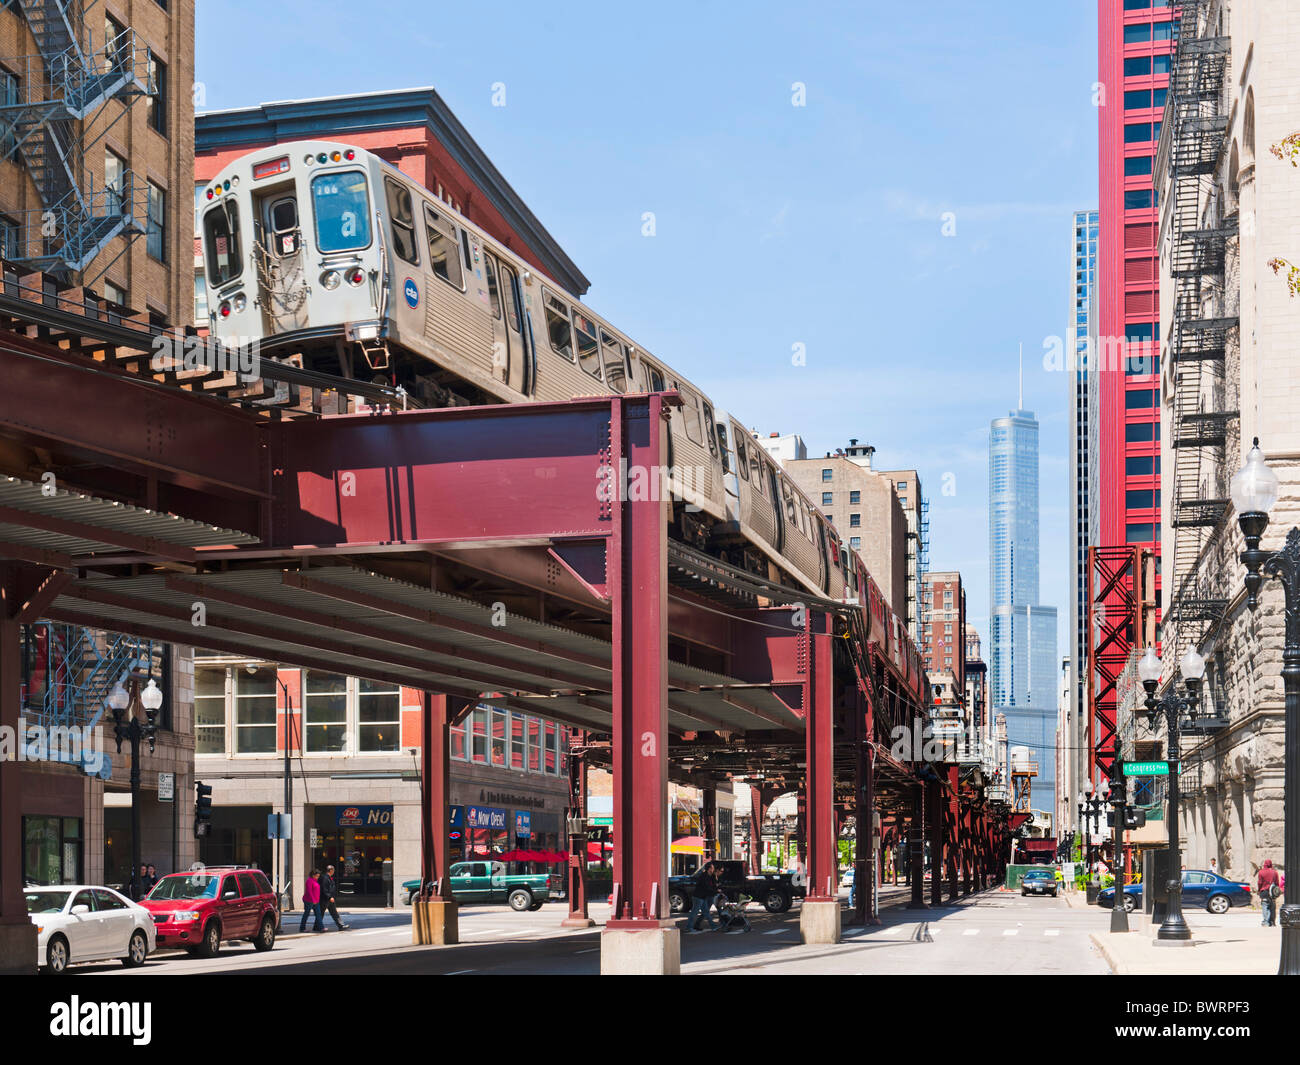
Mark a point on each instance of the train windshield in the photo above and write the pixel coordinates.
(221, 235)
(342, 211)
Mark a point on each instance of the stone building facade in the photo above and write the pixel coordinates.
(1232, 782)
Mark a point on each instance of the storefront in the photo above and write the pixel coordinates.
(237, 836)
(357, 840)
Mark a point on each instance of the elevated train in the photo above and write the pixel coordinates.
(329, 255)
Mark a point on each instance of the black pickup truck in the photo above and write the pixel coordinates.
(776, 891)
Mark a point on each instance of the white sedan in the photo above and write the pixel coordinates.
(76, 922)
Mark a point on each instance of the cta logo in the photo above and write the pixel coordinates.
(412, 292)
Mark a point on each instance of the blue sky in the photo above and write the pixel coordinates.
(776, 225)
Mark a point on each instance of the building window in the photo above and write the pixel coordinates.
(855, 497)
(255, 712)
(1137, 99)
(157, 112)
(1137, 166)
(498, 738)
(325, 712)
(1163, 64)
(1137, 67)
(518, 741)
(552, 749)
(535, 744)
(827, 475)
(1137, 33)
(156, 229)
(855, 542)
(1139, 466)
(1140, 499)
(9, 239)
(1137, 132)
(379, 716)
(902, 502)
(115, 294)
(478, 736)
(200, 299)
(458, 748)
(52, 850)
(855, 521)
(827, 498)
(1140, 399)
(114, 178)
(902, 486)
(9, 96)
(1139, 534)
(209, 710)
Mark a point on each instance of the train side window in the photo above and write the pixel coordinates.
(789, 504)
(510, 282)
(709, 424)
(742, 460)
(401, 215)
(444, 256)
(756, 468)
(655, 378)
(690, 411)
(494, 290)
(221, 234)
(584, 332)
(558, 328)
(725, 450)
(615, 362)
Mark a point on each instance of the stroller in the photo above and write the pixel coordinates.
(731, 914)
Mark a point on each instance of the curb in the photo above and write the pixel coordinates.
(1099, 941)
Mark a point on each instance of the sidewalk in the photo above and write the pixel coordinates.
(1240, 951)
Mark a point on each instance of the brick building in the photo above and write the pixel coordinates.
(943, 632)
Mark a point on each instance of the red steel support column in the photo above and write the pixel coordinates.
(637, 566)
(435, 853)
(757, 808)
(16, 954)
(934, 802)
(819, 725)
(952, 842)
(709, 823)
(578, 914)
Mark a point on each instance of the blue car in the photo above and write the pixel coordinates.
(1216, 893)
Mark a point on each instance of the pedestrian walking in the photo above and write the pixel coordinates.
(1270, 888)
(327, 898)
(142, 883)
(311, 904)
(703, 891)
(1214, 867)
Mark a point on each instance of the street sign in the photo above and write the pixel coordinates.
(314, 841)
(1146, 769)
(279, 826)
(166, 787)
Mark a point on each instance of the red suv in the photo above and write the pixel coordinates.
(200, 910)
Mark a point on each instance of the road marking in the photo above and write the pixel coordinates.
(1052, 932)
(892, 929)
(774, 932)
(460, 972)
(971, 932)
(592, 950)
(1010, 931)
(484, 931)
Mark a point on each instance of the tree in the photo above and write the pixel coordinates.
(1288, 150)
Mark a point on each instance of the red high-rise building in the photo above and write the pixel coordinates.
(1135, 38)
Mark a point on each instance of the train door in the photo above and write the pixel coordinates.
(509, 355)
(281, 262)
(730, 478)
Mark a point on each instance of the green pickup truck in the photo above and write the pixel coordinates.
(488, 882)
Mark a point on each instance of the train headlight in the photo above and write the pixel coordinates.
(355, 276)
(240, 302)
(225, 308)
(309, 159)
(330, 279)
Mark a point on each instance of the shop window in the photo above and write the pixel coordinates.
(478, 736)
(458, 749)
(52, 850)
(379, 717)
(552, 749)
(499, 738)
(255, 712)
(209, 710)
(535, 744)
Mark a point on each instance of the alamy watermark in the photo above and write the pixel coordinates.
(233, 354)
(72, 744)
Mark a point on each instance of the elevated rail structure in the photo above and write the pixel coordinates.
(471, 554)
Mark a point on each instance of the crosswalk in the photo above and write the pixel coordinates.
(898, 930)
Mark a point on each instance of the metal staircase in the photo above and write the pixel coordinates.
(81, 666)
(1198, 336)
(68, 82)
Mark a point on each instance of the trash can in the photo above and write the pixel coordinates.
(387, 874)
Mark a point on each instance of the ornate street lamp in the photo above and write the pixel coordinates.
(127, 726)
(1254, 491)
(1172, 706)
(1090, 807)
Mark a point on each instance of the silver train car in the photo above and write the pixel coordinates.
(329, 255)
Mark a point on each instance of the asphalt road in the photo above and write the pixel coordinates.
(994, 932)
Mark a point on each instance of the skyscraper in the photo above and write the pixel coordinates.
(1085, 517)
(1023, 660)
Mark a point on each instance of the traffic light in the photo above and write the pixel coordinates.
(1136, 819)
(202, 808)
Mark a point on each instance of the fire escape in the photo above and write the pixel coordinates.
(61, 91)
(1200, 327)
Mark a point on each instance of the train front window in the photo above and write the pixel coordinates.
(444, 255)
(342, 211)
(221, 235)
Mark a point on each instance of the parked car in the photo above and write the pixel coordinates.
(489, 882)
(198, 911)
(79, 922)
(846, 877)
(1041, 881)
(776, 891)
(1201, 887)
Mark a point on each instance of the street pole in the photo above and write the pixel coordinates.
(1285, 566)
(127, 727)
(1119, 796)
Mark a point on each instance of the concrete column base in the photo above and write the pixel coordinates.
(653, 952)
(434, 923)
(578, 922)
(819, 921)
(18, 949)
